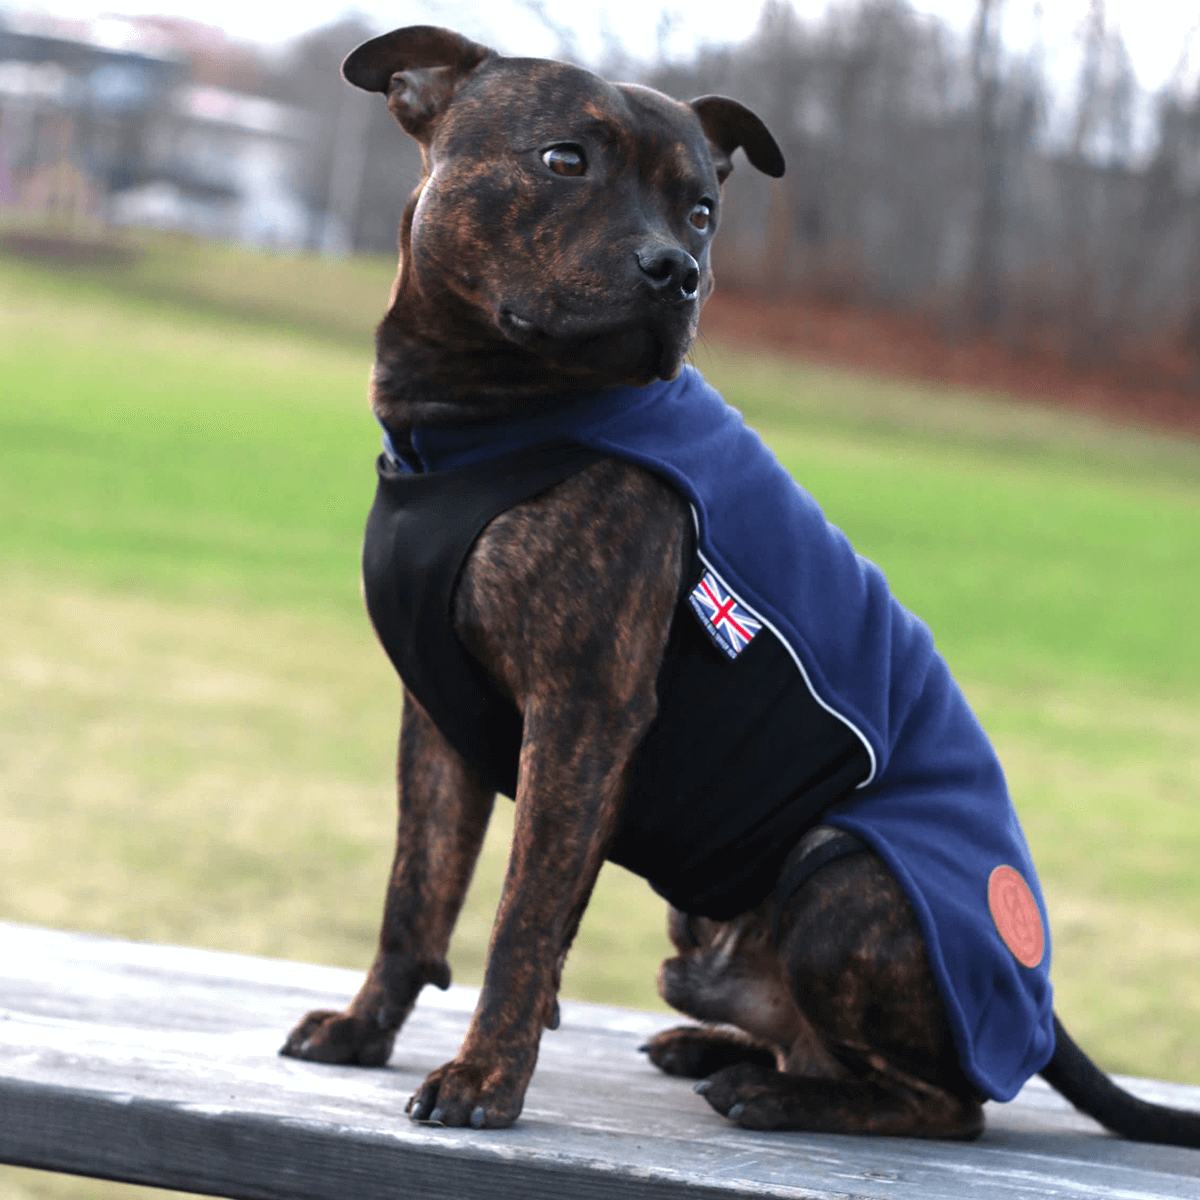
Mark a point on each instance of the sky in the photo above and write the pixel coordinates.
(1154, 30)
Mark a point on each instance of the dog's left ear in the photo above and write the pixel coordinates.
(418, 68)
(728, 125)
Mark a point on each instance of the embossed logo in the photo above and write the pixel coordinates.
(1015, 912)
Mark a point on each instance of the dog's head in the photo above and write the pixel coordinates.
(560, 236)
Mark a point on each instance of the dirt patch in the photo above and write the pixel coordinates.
(70, 250)
(906, 346)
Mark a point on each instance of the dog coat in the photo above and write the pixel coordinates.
(795, 690)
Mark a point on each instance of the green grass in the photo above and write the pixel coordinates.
(213, 286)
(181, 458)
(197, 727)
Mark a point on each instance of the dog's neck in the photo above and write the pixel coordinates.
(423, 378)
(441, 445)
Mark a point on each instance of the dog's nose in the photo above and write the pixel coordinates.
(672, 272)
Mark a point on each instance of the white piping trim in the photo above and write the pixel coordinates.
(795, 657)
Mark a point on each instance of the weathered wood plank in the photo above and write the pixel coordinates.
(158, 1065)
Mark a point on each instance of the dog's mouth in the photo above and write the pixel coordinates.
(626, 352)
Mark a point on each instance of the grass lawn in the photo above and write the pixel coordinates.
(197, 727)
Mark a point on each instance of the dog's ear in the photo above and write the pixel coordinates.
(418, 68)
(728, 125)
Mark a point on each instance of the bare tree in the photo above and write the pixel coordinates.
(919, 177)
(358, 168)
(983, 292)
(566, 43)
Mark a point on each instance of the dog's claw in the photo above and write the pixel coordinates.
(644, 1048)
(735, 1112)
(458, 1095)
(701, 1087)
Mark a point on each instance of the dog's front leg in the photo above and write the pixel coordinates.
(567, 601)
(444, 811)
(568, 803)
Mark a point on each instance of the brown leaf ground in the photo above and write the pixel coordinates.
(1158, 387)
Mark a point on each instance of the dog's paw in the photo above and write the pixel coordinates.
(697, 1051)
(755, 1098)
(752, 1096)
(338, 1037)
(463, 1093)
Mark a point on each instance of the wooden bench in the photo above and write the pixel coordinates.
(158, 1065)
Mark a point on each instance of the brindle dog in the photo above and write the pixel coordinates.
(559, 240)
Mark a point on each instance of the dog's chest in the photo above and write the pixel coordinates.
(741, 759)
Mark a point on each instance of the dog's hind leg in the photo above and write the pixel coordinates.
(698, 1051)
(728, 972)
(852, 953)
(444, 811)
(882, 1103)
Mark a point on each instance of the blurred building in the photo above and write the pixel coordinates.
(94, 127)
(221, 164)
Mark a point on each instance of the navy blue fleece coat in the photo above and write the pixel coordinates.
(934, 806)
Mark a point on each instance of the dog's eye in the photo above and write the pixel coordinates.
(701, 215)
(565, 160)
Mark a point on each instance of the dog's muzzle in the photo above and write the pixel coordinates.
(672, 273)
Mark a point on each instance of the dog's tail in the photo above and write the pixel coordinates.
(1087, 1087)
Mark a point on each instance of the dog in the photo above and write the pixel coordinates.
(607, 600)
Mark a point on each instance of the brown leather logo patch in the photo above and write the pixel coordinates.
(1016, 915)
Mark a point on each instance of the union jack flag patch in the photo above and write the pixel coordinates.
(723, 616)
